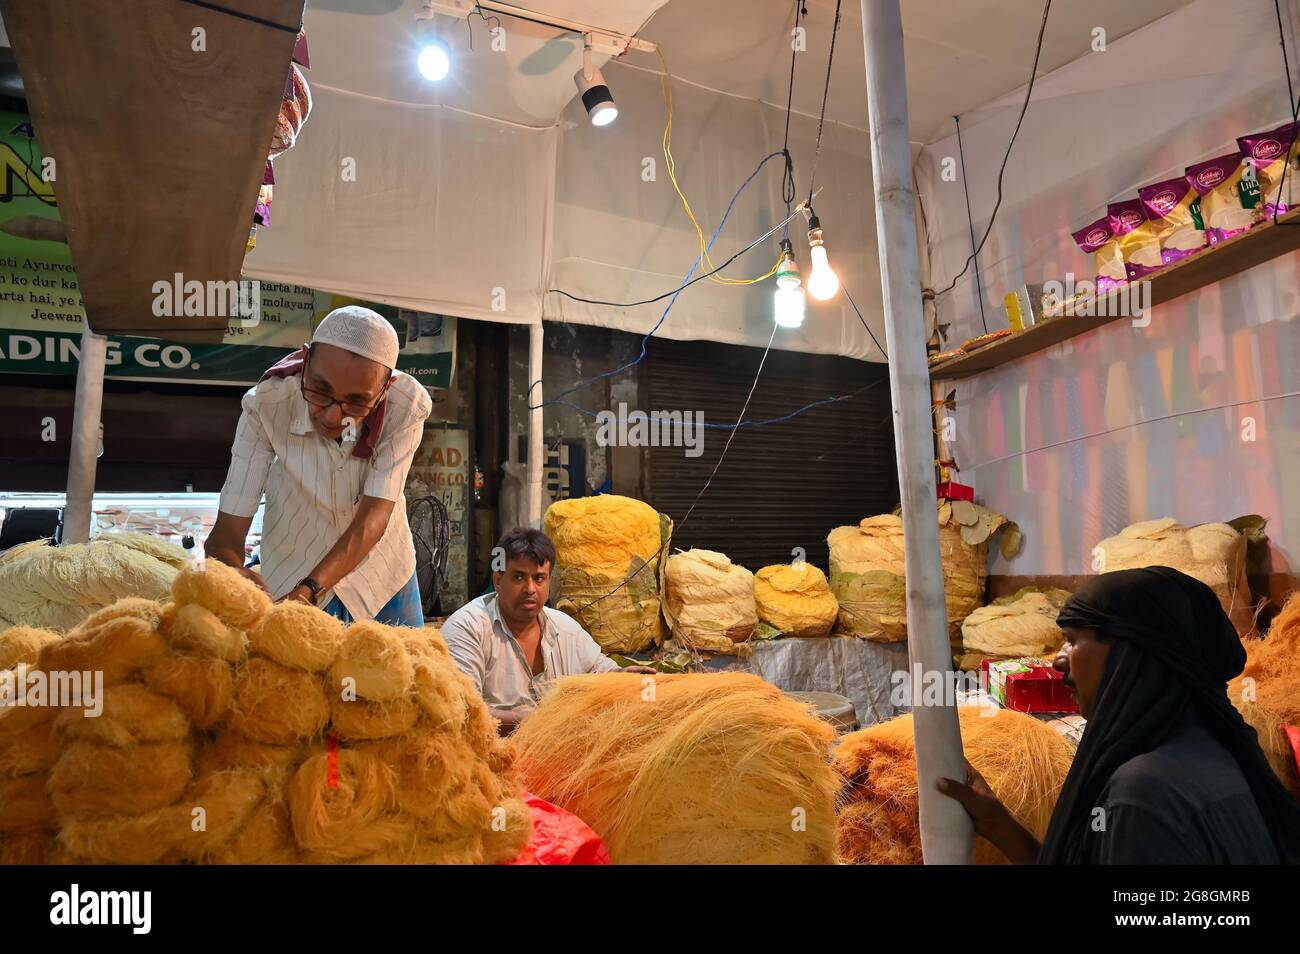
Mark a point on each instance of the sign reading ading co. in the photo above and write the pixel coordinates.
(41, 314)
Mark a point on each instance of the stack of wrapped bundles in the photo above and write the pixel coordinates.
(1267, 693)
(607, 568)
(58, 587)
(1023, 624)
(718, 768)
(795, 599)
(708, 601)
(867, 574)
(237, 731)
(1213, 553)
(1023, 760)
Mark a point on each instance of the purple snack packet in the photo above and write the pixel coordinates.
(1173, 208)
(1269, 152)
(1226, 197)
(1128, 220)
(1092, 239)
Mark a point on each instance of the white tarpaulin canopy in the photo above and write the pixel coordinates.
(474, 196)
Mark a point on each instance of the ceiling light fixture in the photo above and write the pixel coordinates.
(434, 58)
(596, 96)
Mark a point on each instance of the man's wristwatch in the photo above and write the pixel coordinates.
(312, 585)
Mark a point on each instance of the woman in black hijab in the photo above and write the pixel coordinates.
(1167, 771)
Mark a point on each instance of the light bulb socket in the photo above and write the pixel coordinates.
(787, 269)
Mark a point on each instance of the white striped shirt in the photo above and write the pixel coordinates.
(313, 487)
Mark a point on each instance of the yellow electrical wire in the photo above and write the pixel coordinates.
(671, 166)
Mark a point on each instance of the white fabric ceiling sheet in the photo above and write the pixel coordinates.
(445, 209)
(621, 238)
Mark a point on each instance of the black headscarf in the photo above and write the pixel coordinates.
(1172, 653)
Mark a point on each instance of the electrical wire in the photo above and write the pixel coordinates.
(671, 165)
(826, 92)
(864, 322)
(1295, 116)
(721, 457)
(671, 294)
(1033, 74)
(787, 178)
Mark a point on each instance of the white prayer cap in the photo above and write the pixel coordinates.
(360, 331)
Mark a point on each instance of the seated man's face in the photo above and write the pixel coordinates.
(522, 587)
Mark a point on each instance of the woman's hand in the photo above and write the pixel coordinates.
(991, 818)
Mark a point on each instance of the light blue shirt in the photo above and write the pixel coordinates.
(485, 649)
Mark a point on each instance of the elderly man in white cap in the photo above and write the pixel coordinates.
(328, 434)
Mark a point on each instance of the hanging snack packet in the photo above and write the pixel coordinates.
(1230, 196)
(1173, 211)
(1099, 241)
(1138, 245)
(1273, 157)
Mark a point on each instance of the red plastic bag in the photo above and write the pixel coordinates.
(559, 838)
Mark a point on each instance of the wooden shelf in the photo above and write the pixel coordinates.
(1261, 244)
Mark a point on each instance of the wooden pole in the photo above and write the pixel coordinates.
(945, 826)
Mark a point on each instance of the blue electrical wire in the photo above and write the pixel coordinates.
(645, 340)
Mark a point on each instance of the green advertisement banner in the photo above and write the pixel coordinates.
(41, 313)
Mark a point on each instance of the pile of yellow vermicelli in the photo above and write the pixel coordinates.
(237, 731)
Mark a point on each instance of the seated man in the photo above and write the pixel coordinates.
(511, 644)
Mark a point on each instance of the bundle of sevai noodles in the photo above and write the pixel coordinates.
(607, 568)
(1023, 760)
(1023, 624)
(708, 601)
(867, 569)
(687, 769)
(58, 587)
(1267, 693)
(795, 599)
(237, 731)
(28, 748)
(1213, 553)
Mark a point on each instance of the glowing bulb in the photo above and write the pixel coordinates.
(823, 283)
(789, 304)
(604, 114)
(434, 61)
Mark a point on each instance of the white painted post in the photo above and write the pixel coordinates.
(945, 826)
(85, 437)
(536, 449)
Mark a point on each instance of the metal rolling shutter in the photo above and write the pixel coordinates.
(782, 485)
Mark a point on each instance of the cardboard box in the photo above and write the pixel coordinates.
(1028, 685)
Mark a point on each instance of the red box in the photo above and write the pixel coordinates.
(1028, 685)
(950, 491)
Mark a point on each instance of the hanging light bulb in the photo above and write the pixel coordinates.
(823, 283)
(788, 300)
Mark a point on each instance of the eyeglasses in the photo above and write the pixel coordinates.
(348, 408)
